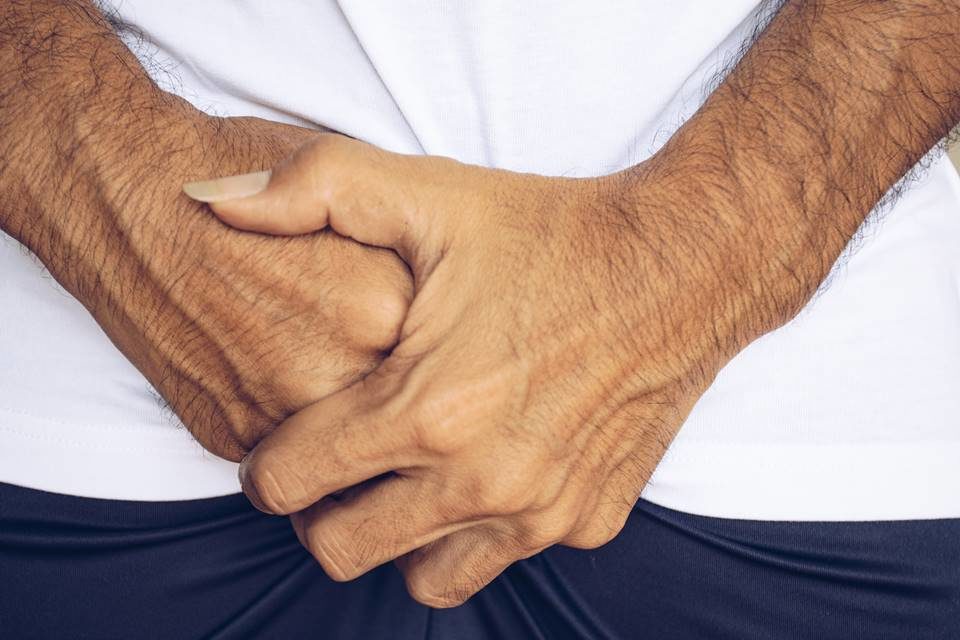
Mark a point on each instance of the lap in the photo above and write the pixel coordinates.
(217, 568)
(671, 575)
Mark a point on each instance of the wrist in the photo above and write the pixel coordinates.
(768, 180)
(78, 112)
(90, 179)
(731, 272)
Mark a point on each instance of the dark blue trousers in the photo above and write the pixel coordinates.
(84, 568)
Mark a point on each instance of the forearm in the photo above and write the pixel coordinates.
(80, 125)
(235, 331)
(833, 104)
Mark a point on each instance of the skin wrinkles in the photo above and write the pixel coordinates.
(613, 332)
(610, 302)
(235, 331)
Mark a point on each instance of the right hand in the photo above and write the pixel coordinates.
(236, 331)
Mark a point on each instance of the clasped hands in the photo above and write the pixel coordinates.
(560, 332)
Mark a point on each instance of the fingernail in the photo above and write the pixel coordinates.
(228, 188)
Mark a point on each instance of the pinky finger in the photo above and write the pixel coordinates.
(604, 522)
(451, 570)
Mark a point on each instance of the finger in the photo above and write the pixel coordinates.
(377, 524)
(448, 572)
(360, 191)
(337, 442)
(608, 516)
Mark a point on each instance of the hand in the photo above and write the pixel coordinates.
(235, 331)
(561, 329)
(560, 332)
(238, 331)
(244, 330)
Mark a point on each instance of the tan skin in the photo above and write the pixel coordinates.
(561, 330)
(235, 331)
(513, 414)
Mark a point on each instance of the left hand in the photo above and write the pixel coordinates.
(561, 331)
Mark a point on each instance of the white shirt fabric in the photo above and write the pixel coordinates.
(850, 412)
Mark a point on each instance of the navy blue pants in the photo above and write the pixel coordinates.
(83, 568)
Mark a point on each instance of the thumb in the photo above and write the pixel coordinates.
(358, 190)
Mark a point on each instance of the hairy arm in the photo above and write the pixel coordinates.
(563, 329)
(234, 331)
(74, 102)
(830, 107)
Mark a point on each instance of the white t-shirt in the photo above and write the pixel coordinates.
(850, 412)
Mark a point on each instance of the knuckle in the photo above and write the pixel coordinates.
(388, 311)
(500, 495)
(336, 163)
(453, 598)
(247, 424)
(422, 589)
(600, 530)
(227, 437)
(374, 318)
(324, 148)
(520, 484)
(436, 425)
(319, 160)
(592, 539)
(227, 427)
(454, 414)
(434, 596)
(546, 530)
(421, 592)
